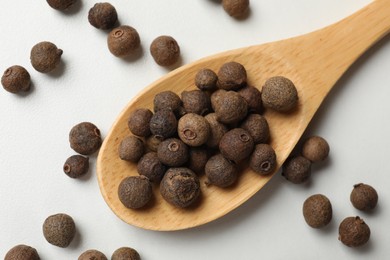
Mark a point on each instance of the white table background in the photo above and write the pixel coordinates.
(93, 85)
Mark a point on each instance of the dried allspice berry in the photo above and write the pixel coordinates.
(280, 94)
(45, 56)
(230, 107)
(193, 129)
(232, 76)
(165, 50)
(22, 252)
(92, 254)
(364, 197)
(180, 187)
(123, 41)
(236, 145)
(135, 191)
(315, 149)
(220, 171)
(354, 232)
(252, 96)
(167, 100)
(317, 211)
(217, 130)
(197, 160)
(297, 169)
(61, 4)
(150, 166)
(16, 79)
(85, 138)
(258, 128)
(163, 124)
(76, 166)
(131, 149)
(196, 101)
(236, 8)
(152, 143)
(172, 152)
(263, 159)
(139, 122)
(206, 79)
(216, 98)
(125, 253)
(59, 230)
(103, 16)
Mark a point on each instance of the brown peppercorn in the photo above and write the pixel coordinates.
(263, 159)
(217, 130)
(150, 166)
(61, 4)
(193, 129)
(45, 56)
(165, 50)
(131, 149)
(85, 138)
(354, 232)
(167, 100)
(220, 171)
(279, 94)
(76, 166)
(172, 152)
(257, 127)
(180, 187)
(135, 191)
(252, 96)
(236, 8)
(139, 122)
(22, 252)
(197, 160)
(317, 211)
(196, 101)
(364, 197)
(230, 107)
(297, 169)
(236, 145)
(152, 143)
(216, 98)
(123, 41)
(206, 79)
(103, 16)
(59, 230)
(163, 124)
(125, 253)
(92, 254)
(16, 79)
(315, 149)
(232, 76)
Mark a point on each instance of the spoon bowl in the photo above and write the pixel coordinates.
(314, 62)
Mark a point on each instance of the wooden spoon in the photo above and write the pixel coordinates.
(314, 62)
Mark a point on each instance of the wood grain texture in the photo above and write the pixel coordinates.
(314, 62)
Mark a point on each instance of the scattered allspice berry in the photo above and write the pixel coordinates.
(180, 187)
(103, 16)
(167, 100)
(206, 79)
(230, 107)
(123, 41)
(236, 145)
(220, 171)
(252, 96)
(22, 252)
(76, 166)
(172, 152)
(131, 149)
(150, 166)
(197, 159)
(354, 232)
(125, 253)
(92, 254)
(257, 127)
(135, 191)
(297, 169)
(16, 79)
(280, 94)
(196, 101)
(45, 56)
(216, 98)
(364, 197)
(165, 50)
(61, 4)
(232, 76)
(217, 130)
(317, 211)
(59, 230)
(193, 129)
(139, 122)
(85, 138)
(236, 8)
(163, 123)
(315, 149)
(263, 159)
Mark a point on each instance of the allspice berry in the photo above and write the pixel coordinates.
(152, 143)
(150, 166)
(125, 253)
(123, 41)
(92, 254)
(230, 107)
(297, 169)
(217, 130)
(196, 101)
(45, 56)
(163, 124)
(315, 149)
(103, 16)
(139, 122)
(354, 232)
(236, 8)
(317, 211)
(135, 191)
(76, 166)
(198, 157)
(131, 149)
(16, 79)
(364, 197)
(220, 171)
(172, 152)
(216, 98)
(206, 79)
(85, 138)
(236, 145)
(263, 159)
(180, 187)
(252, 96)
(165, 50)
(61, 4)
(193, 129)
(232, 76)
(257, 126)
(167, 100)
(59, 230)
(22, 252)
(280, 94)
